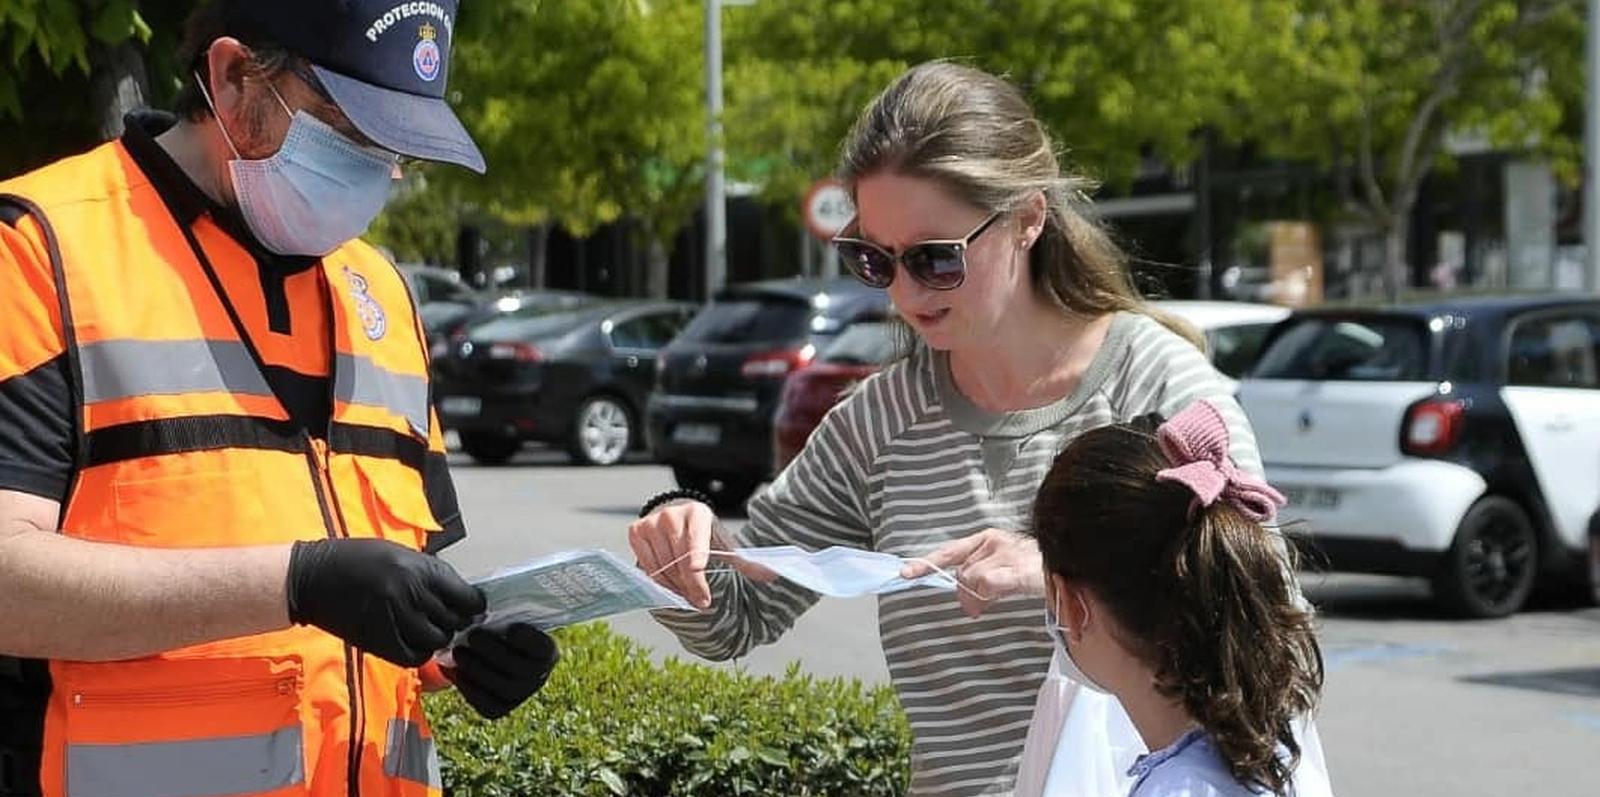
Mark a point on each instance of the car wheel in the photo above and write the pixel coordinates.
(1491, 567)
(488, 448)
(727, 494)
(601, 432)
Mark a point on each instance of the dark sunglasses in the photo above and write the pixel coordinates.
(940, 265)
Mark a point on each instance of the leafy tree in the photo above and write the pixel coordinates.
(422, 220)
(585, 112)
(1367, 88)
(1114, 80)
(1118, 83)
(72, 68)
(608, 120)
(1372, 89)
(602, 116)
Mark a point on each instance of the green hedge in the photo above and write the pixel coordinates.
(611, 722)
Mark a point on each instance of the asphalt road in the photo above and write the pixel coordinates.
(1416, 703)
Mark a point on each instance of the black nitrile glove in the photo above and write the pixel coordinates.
(502, 663)
(383, 598)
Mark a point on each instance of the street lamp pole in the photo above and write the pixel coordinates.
(716, 200)
(1592, 151)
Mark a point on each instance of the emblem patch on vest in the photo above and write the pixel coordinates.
(373, 320)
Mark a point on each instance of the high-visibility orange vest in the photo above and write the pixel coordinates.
(183, 445)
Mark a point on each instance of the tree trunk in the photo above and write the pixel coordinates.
(657, 267)
(1396, 266)
(119, 86)
(469, 256)
(538, 254)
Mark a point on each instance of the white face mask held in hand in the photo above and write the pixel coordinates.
(839, 571)
(319, 190)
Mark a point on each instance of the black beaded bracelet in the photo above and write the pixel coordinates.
(674, 494)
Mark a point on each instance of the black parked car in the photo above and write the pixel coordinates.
(1457, 440)
(577, 376)
(718, 383)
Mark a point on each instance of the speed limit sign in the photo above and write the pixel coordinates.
(827, 208)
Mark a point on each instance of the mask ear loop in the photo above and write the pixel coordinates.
(279, 98)
(668, 566)
(205, 93)
(729, 554)
(953, 576)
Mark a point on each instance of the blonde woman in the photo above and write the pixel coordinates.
(1029, 334)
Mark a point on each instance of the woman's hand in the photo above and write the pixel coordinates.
(992, 564)
(674, 543)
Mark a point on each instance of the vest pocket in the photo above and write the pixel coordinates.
(203, 509)
(170, 728)
(398, 503)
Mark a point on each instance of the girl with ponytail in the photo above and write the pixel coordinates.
(1164, 589)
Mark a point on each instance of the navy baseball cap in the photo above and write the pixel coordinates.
(384, 62)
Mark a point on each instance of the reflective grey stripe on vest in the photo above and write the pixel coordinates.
(358, 380)
(120, 369)
(115, 369)
(232, 765)
(411, 756)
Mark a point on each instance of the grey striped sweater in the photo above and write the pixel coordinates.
(906, 464)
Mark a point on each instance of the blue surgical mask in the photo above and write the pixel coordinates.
(1069, 668)
(318, 191)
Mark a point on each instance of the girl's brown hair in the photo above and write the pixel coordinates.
(976, 135)
(1207, 599)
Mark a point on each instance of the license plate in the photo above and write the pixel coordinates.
(1312, 497)
(461, 405)
(697, 434)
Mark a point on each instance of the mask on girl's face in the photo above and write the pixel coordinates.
(1069, 668)
(318, 191)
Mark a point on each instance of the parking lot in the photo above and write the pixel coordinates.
(1415, 703)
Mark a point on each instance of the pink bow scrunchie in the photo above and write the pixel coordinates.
(1196, 443)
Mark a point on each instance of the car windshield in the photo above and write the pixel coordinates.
(863, 343)
(1354, 350)
(744, 320)
(1235, 348)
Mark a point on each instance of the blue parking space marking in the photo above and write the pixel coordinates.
(1335, 658)
(1583, 719)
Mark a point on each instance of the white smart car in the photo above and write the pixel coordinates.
(1457, 441)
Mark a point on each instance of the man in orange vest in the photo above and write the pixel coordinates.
(221, 480)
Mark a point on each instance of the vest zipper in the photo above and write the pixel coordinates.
(358, 701)
(322, 481)
(354, 669)
(320, 484)
(188, 696)
(319, 476)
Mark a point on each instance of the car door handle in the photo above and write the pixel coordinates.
(1560, 423)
